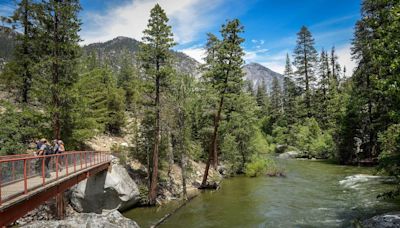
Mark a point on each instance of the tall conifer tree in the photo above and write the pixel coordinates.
(155, 58)
(305, 60)
(59, 51)
(226, 78)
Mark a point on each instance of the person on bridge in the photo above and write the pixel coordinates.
(59, 149)
(45, 149)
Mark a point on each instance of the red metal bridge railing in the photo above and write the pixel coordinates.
(20, 174)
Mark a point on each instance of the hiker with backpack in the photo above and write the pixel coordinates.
(45, 149)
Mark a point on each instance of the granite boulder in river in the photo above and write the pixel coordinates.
(112, 189)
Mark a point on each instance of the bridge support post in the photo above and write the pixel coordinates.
(60, 205)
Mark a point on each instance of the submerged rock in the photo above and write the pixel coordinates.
(388, 220)
(113, 189)
(290, 154)
(110, 219)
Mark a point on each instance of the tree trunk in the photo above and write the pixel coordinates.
(154, 176)
(183, 168)
(213, 155)
(27, 76)
(308, 94)
(170, 155)
(55, 80)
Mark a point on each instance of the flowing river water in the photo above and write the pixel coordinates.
(313, 194)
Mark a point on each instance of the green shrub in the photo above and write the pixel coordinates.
(262, 166)
(120, 152)
(311, 140)
(260, 143)
(389, 159)
(280, 135)
(19, 127)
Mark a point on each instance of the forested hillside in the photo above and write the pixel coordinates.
(7, 37)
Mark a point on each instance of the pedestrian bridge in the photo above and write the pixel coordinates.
(24, 184)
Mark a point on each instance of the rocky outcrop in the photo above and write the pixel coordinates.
(290, 155)
(388, 220)
(110, 219)
(172, 189)
(280, 149)
(106, 142)
(258, 74)
(112, 189)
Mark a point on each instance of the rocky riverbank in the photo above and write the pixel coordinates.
(120, 188)
(108, 219)
(388, 220)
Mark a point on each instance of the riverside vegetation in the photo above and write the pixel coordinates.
(56, 90)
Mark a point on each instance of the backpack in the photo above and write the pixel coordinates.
(48, 150)
(56, 149)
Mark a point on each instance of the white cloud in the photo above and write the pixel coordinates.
(344, 54)
(259, 42)
(187, 17)
(274, 61)
(196, 52)
(276, 66)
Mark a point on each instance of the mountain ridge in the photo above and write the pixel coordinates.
(112, 52)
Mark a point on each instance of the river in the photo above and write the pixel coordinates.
(313, 194)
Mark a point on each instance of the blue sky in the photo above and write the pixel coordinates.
(270, 25)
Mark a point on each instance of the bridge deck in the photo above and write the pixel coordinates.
(23, 185)
(17, 188)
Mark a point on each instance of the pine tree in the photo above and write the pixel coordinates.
(224, 60)
(289, 93)
(276, 98)
(323, 87)
(335, 66)
(155, 59)
(262, 99)
(305, 60)
(369, 113)
(23, 64)
(128, 80)
(59, 51)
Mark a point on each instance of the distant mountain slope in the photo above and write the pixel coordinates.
(7, 44)
(256, 73)
(113, 51)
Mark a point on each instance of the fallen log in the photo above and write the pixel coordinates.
(163, 219)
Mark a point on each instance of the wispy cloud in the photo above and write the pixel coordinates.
(334, 21)
(274, 61)
(6, 9)
(188, 19)
(344, 54)
(196, 52)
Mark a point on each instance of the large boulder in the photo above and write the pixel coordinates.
(388, 220)
(290, 154)
(112, 189)
(110, 219)
(280, 148)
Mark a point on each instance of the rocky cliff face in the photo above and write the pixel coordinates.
(257, 73)
(7, 44)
